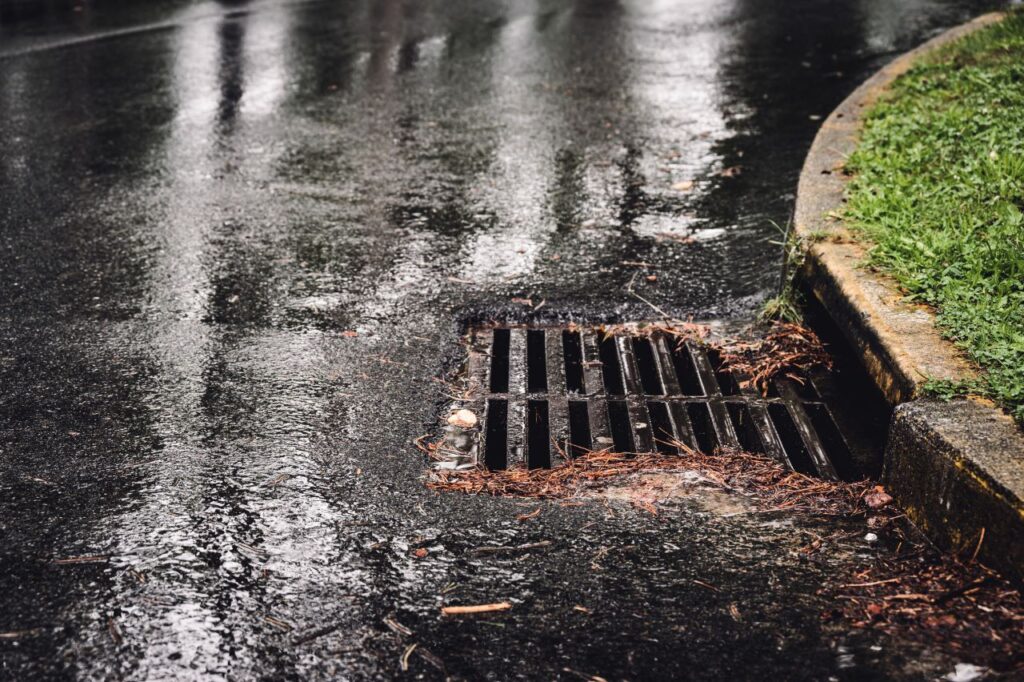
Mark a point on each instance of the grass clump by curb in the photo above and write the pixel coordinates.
(938, 190)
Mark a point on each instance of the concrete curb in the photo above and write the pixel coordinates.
(957, 468)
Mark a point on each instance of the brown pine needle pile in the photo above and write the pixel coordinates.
(772, 484)
(937, 600)
(787, 350)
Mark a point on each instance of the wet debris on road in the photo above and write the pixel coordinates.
(772, 485)
(907, 589)
(917, 593)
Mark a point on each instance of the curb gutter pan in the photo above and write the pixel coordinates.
(957, 468)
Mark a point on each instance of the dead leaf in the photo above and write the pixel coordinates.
(877, 498)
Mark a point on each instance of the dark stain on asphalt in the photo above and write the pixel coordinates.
(238, 243)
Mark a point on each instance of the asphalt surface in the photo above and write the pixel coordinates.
(198, 200)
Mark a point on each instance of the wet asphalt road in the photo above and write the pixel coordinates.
(198, 199)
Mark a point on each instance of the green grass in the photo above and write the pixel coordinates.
(938, 192)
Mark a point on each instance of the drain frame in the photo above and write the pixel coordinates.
(562, 391)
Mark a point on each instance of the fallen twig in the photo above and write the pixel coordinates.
(477, 608)
(514, 548)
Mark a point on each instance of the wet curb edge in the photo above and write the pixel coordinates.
(957, 468)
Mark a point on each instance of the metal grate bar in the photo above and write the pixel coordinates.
(516, 431)
(558, 426)
(643, 441)
(627, 363)
(555, 356)
(594, 378)
(666, 367)
(819, 458)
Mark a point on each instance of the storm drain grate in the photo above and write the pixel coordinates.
(549, 393)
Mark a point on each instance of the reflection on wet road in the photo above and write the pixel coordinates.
(198, 199)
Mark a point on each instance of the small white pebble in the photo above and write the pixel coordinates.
(464, 419)
(871, 537)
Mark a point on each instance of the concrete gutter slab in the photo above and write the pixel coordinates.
(959, 470)
(958, 467)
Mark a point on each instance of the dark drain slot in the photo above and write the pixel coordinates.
(803, 390)
(794, 446)
(538, 435)
(832, 440)
(611, 367)
(703, 428)
(661, 426)
(622, 433)
(536, 362)
(647, 366)
(746, 431)
(496, 449)
(572, 346)
(689, 381)
(580, 439)
(726, 381)
(499, 360)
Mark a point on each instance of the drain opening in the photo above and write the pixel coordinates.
(746, 431)
(499, 360)
(727, 383)
(837, 447)
(618, 420)
(648, 367)
(703, 430)
(572, 348)
(536, 362)
(496, 449)
(686, 372)
(580, 440)
(662, 427)
(611, 367)
(549, 391)
(538, 436)
(796, 451)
